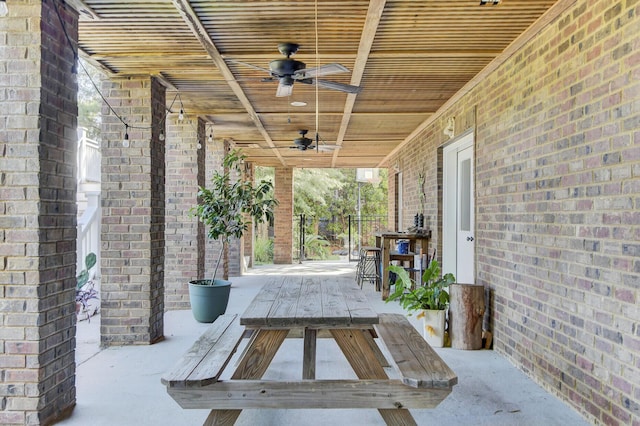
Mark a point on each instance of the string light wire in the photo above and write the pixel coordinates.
(168, 110)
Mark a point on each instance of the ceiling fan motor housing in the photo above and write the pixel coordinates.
(303, 142)
(285, 67)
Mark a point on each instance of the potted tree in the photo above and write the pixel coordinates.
(227, 209)
(429, 298)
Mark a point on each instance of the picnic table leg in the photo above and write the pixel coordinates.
(366, 365)
(369, 335)
(254, 363)
(309, 354)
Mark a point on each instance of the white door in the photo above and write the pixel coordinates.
(458, 243)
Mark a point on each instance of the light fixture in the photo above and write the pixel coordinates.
(181, 115)
(493, 2)
(298, 104)
(125, 141)
(4, 10)
(450, 129)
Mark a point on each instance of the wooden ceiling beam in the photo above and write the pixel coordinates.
(191, 19)
(369, 30)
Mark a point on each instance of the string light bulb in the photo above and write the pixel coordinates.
(125, 141)
(199, 145)
(4, 10)
(161, 136)
(181, 115)
(210, 139)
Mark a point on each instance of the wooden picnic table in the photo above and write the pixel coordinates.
(310, 306)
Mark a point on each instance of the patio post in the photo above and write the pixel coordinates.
(133, 211)
(38, 100)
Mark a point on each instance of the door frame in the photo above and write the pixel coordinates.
(449, 199)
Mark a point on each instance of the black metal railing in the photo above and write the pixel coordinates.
(318, 238)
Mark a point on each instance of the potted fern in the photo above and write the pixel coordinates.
(227, 209)
(429, 299)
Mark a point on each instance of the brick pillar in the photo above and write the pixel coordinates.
(38, 100)
(133, 193)
(184, 253)
(283, 228)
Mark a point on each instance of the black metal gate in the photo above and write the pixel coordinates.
(362, 232)
(355, 232)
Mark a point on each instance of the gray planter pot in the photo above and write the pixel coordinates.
(208, 302)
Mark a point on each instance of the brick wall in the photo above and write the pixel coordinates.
(38, 119)
(283, 229)
(184, 253)
(557, 165)
(133, 195)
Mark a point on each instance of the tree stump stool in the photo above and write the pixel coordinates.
(466, 308)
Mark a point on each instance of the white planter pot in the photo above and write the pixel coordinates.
(433, 327)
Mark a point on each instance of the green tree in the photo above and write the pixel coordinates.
(89, 99)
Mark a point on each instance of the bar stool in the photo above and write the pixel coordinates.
(369, 266)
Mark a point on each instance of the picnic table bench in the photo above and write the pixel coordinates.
(337, 308)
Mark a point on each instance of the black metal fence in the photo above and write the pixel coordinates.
(320, 238)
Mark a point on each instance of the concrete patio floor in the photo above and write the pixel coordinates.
(121, 385)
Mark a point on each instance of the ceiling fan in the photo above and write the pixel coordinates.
(304, 143)
(289, 70)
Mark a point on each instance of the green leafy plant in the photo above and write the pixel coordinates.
(231, 204)
(430, 295)
(85, 286)
(263, 250)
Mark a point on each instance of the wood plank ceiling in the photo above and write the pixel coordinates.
(407, 56)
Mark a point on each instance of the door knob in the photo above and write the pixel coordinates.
(469, 238)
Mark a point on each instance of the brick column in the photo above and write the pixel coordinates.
(283, 228)
(133, 193)
(38, 100)
(184, 253)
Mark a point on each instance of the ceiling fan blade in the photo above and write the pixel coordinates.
(328, 148)
(333, 85)
(247, 65)
(321, 70)
(284, 90)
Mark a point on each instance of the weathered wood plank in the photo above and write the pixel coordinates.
(222, 418)
(357, 303)
(397, 418)
(252, 365)
(239, 394)
(284, 307)
(362, 359)
(258, 356)
(309, 354)
(366, 366)
(257, 312)
(206, 359)
(334, 306)
(419, 365)
(310, 303)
